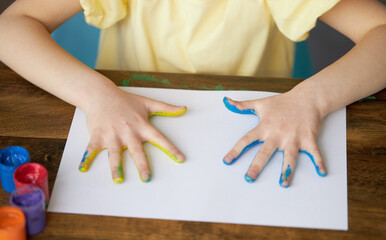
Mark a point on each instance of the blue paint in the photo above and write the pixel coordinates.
(84, 156)
(313, 161)
(284, 178)
(234, 109)
(249, 179)
(244, 150)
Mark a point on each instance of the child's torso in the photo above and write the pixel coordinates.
(197, 36)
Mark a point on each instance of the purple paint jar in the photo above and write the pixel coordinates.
(31, 201)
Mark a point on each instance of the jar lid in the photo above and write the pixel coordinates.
(11, 219)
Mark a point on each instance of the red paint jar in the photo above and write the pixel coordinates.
(32, 174)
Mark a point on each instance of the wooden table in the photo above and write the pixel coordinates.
(40, 122)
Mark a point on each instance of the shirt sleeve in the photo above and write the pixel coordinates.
(103, 13)
(295, 18)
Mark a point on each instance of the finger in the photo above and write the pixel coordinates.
(92, 150)
(115, 159)
(158, 140)
(246, 142)
(137, 153)
(157, 108)
(317, 160)
(244, 107)
(312, 150)
(265, 153)
(289, 162)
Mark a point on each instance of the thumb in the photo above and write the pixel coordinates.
(157, 108)
(242, 107)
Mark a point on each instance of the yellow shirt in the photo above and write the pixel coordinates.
(232, 37)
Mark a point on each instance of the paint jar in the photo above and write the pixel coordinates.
(12, 224)
(31, 201)
(10, 159)
(32, 174)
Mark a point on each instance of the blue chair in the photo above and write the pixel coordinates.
(81, 40)
(303, 67)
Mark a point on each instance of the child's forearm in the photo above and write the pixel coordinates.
(361, 72)
(27, 47)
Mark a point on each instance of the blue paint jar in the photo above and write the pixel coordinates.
(10, 159)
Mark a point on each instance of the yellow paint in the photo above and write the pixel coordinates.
(169, 114)
(118, 180)
(166, 152)
(86, 162)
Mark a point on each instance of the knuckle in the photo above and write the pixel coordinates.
(136, 149)
(263, 152)
(255, 169)
(143, 167)
(309, 134)
(136, 121)
(246, 139)
(233, 153)
(290, 155)
(114, 149)
(157, 135)
(92, 146)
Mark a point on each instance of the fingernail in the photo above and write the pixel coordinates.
(145, 177)
(248, 178)
(180, 157)
(321, 171)
(282, 183)
(227, 160)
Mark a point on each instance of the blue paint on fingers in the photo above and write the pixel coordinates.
(284, 177)
(313, 161)
(243, 151)
(234, 109)
(248, 178)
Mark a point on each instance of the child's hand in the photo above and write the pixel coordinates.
(120, 121)
(287, 123)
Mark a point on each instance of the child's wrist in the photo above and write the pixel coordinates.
(100, 91)
(313, 96)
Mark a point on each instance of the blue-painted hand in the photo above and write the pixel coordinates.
(286, 125)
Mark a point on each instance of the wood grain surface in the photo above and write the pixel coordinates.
(40, 122)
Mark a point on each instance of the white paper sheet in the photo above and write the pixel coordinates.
(204, 188)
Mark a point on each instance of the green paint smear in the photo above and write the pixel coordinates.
(218, 87)
(145, 77)
(126, 82)
(368, 98)
(120, 170)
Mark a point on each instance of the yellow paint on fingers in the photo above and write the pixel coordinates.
(169, 114)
